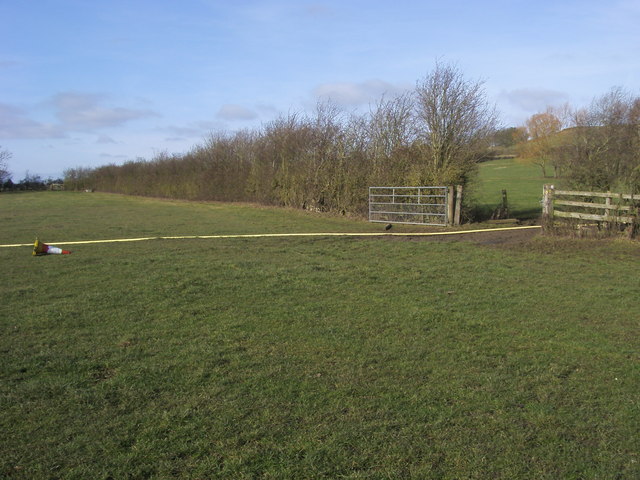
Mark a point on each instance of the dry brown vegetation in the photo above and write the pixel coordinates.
(599, 148)
(326, 160)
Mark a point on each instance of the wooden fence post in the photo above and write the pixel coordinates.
(458, 213)
(635, 223)
(505, 204)
(450, 205)
(607, 213)
(633, 227)
(501, 212)
(547, 207)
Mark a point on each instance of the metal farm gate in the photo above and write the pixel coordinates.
(411, 205)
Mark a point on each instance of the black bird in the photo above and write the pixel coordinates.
(388, 227)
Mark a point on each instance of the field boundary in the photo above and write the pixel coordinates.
(611, 211)
(278, 235)
(585, 208)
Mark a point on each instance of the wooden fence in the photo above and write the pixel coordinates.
(605, 208)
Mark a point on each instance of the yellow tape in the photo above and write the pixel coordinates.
(282, 235)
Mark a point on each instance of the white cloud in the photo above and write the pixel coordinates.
(14, 123)
(534, 99)
(105, 139)
(267, 109)
(318, 10)
(191, 130)
(350, 94)
(82, 111)
(8, 64)
(75, 112)
(232, 112)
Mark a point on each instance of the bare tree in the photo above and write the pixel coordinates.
(391, 132)
(5, 174)
(605, 143)
(325, 160)
(456, 123)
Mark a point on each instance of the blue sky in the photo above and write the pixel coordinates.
(87, 83)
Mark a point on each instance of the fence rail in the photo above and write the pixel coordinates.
(623, 196)
(603, 207)
(425, 205)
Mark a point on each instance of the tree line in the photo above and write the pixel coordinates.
(326, 160)
(595, 147)
(29, 182)
(433, 135)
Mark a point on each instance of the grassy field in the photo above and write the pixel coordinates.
(308, 358)
(523, 182)
(118, 216)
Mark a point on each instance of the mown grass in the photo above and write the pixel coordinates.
(312, 358)
(522, 180)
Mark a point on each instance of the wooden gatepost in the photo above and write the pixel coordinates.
(547, 208)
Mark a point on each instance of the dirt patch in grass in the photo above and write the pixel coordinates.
(490, 237)
(533, 240)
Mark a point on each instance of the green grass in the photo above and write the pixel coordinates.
(523, 182)
(70, 216)
(309, 358)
